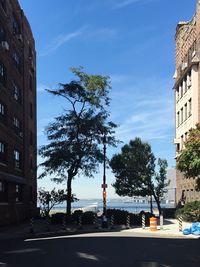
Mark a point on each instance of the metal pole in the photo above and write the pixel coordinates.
(104, 174)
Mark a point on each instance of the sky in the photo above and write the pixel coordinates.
(132, 41)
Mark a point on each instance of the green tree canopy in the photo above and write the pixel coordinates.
(74, 137)
(49, 199)
(189, 159)
(134, 170)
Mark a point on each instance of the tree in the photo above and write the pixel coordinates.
(49, 199)
(74, 137)
(134, 169)
(189, 159)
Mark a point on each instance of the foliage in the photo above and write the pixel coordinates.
(120, 217)
(88, 217)
(134, 169)
(190, 212)
(189, 159)
(169, 213)
(75, 136)
(49, 199)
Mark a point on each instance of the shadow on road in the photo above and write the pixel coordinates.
(104, 251)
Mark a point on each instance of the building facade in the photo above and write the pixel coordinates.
(17, 115)
(170, 196)
(187, 94)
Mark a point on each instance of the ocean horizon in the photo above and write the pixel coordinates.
(96, 204)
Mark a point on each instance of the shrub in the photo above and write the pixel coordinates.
(190, 212)
(169, 213)
(120, 216)
(88, 217)
(57, 218)
(76, 214)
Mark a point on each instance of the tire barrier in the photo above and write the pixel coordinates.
(143, 221)
(80, 222)
(95, 222)
(153, 224)
(64, 223)
(128, 222)
(112, 221)
(48, 223)
(180, 223)
(161, 222)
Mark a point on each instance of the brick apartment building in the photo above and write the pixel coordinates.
(17, 115)
(187, 93)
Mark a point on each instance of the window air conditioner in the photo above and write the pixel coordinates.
(184, 66)
(19, 37)
(5, 45)
(189, 83)
(193, 53)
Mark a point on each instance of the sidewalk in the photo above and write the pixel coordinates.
(170, 230)
(42, 229)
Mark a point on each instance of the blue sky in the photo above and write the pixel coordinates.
(132, 41)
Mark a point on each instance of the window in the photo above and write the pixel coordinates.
(190, 108)
(181, 115)
(18, 191)
(186, 112)
(17, 159)
(31, 138)
(16, 26)
(3, 5)
(186, 136)
(31, 110)
(177, 95)
(182, 142)
(17, 126)
(30, 53)
(2, 34)
(178, 119)
(2, 152)
(2, 74)
(16, 122)
(30, 82)
(185, 84)
(16, 60)
(181, 90)
(3, 192)
(178, 147)
(2, 109)
(16, 93)
(189, 79)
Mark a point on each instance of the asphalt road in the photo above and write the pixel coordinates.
(107, 249)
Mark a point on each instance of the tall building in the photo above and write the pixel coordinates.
(187, 93)
(170, 196)
(17, 115)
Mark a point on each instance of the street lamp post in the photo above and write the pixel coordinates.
(104, 185)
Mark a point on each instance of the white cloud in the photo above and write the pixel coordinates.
(61, 40)
(42, 87)
(124, 3)
(145, 108)
(84, 32)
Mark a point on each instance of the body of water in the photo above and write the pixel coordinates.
(97, 205)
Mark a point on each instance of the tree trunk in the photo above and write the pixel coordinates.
(158, 204)
(69, 195)
(151, 205)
